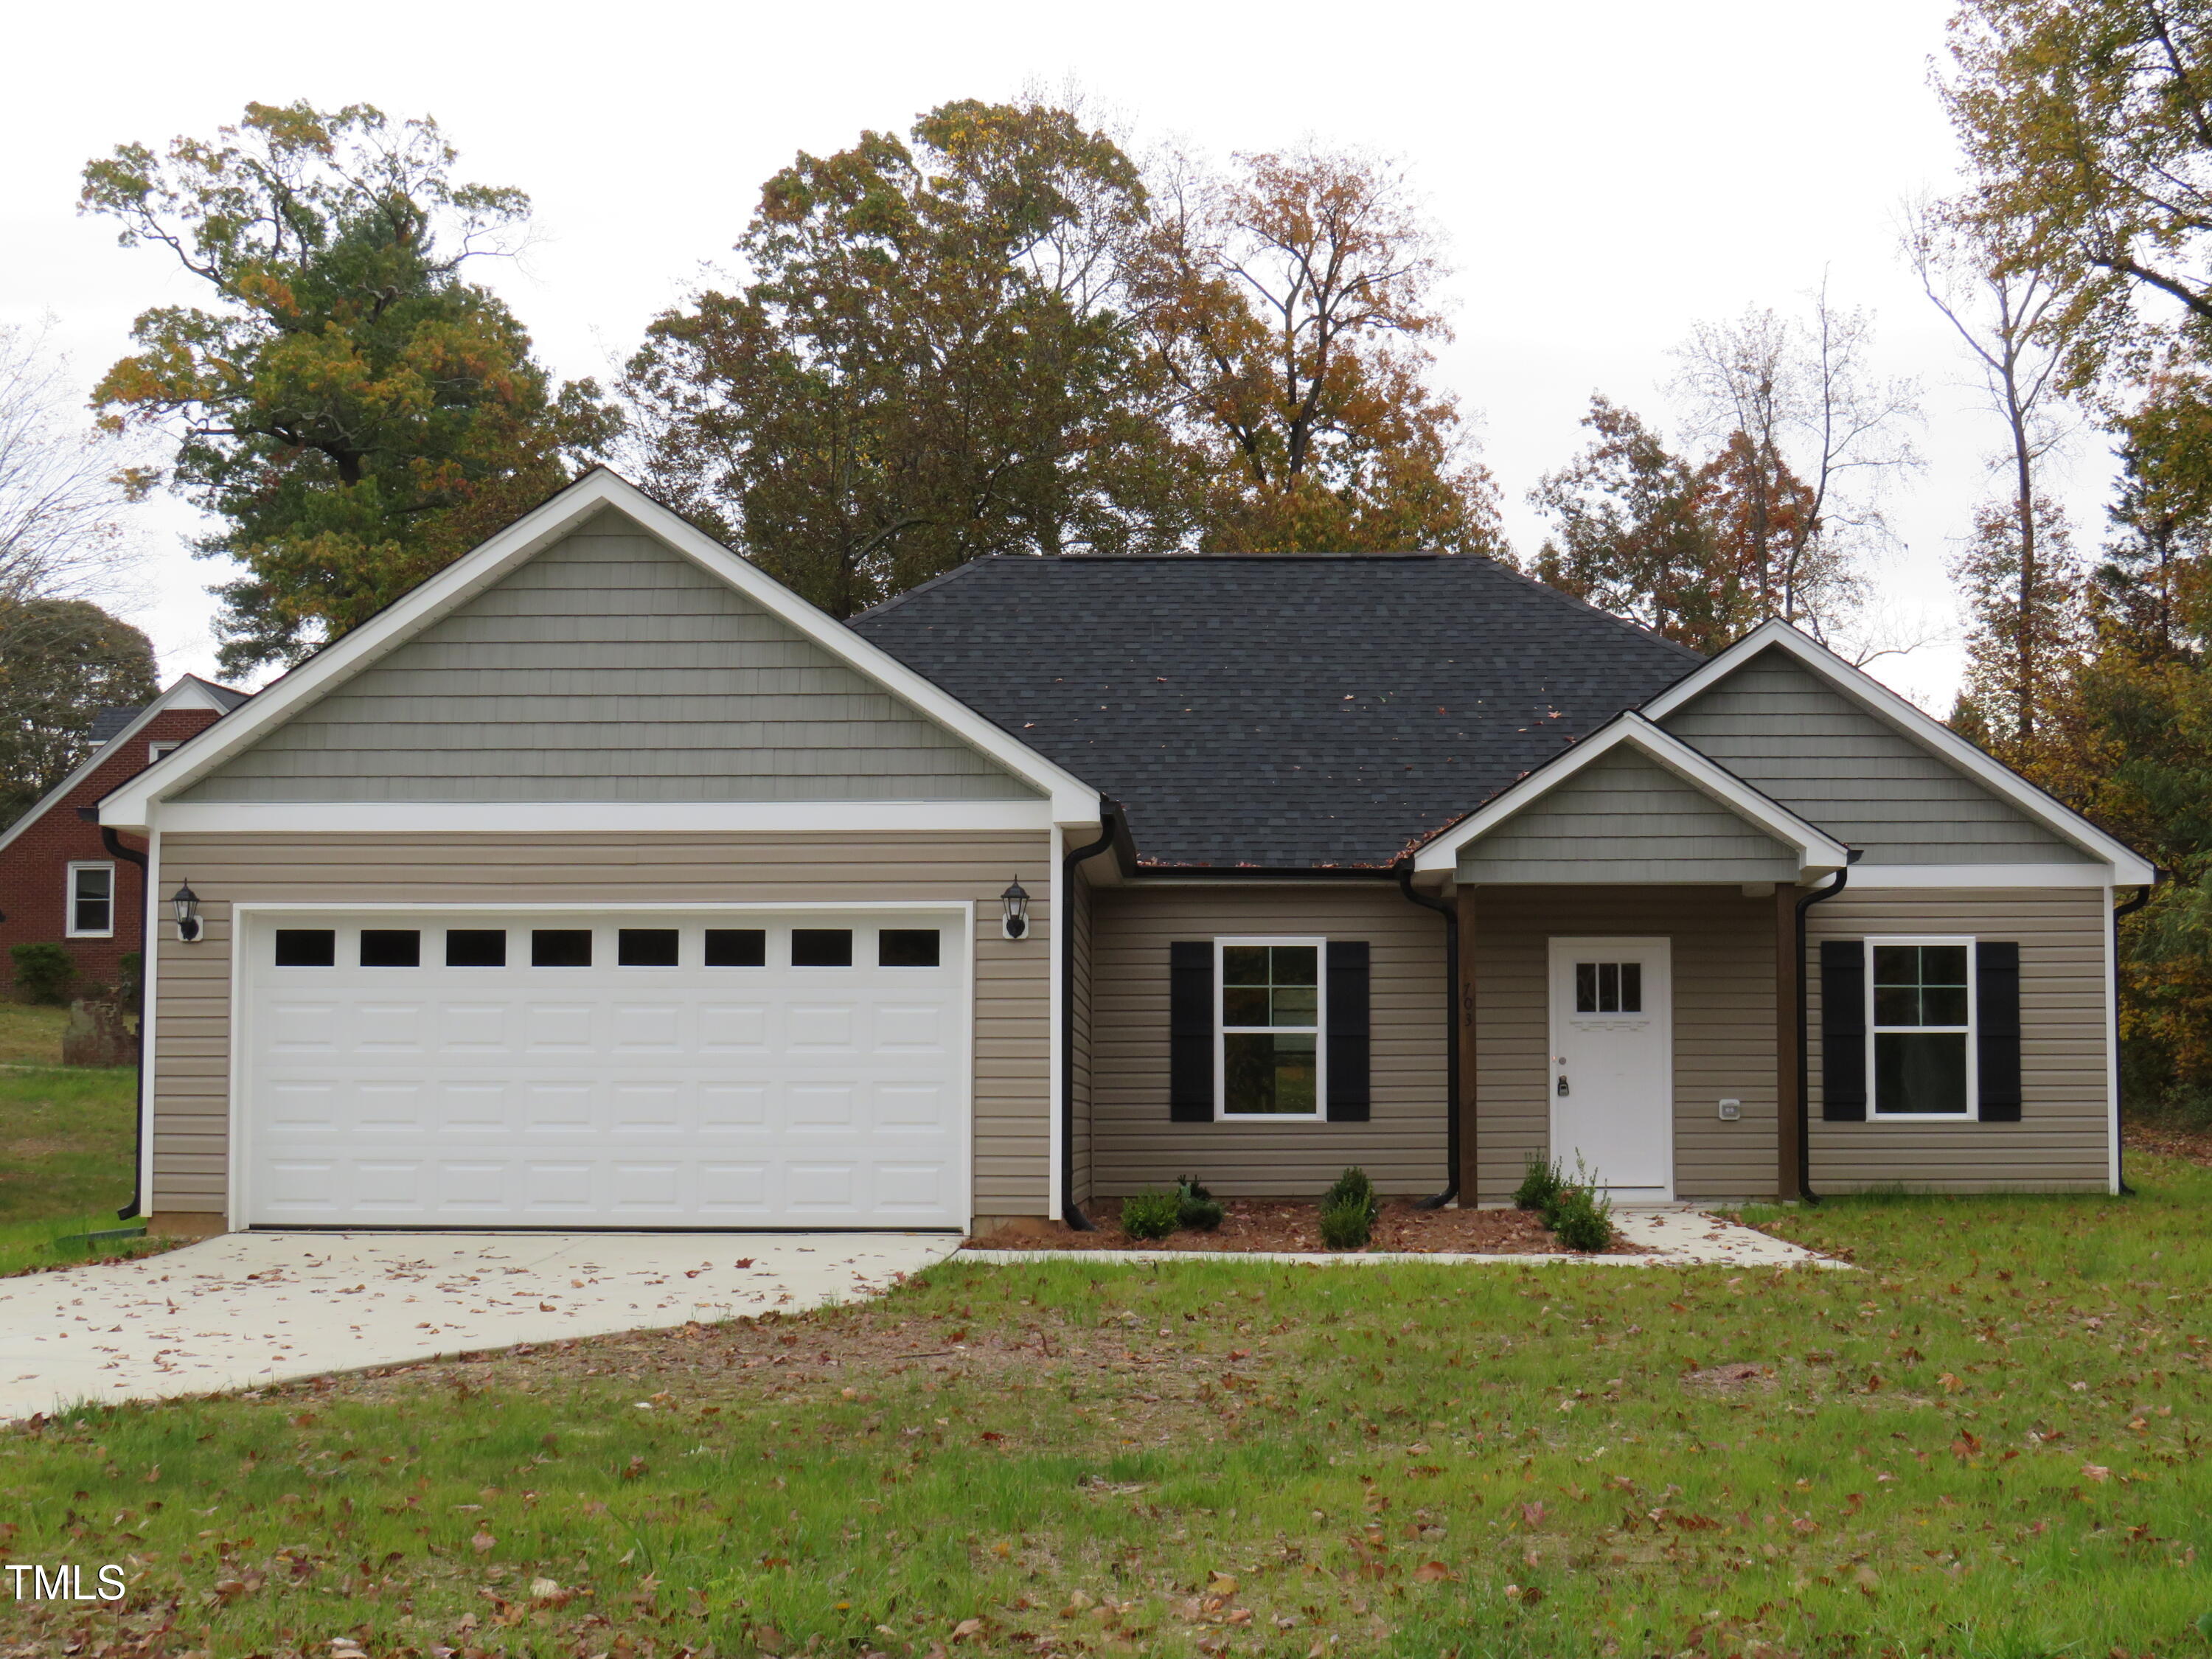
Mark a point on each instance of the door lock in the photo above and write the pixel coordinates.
(1563, 1083)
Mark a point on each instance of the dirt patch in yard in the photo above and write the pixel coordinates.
(1739, 1377)
(1284, 1225)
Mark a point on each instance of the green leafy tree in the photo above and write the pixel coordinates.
(2029, 630)
(61, 662)
(2089, 126)
(357, 412)
(936, 359)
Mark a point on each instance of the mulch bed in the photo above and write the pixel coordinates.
(2195, 1145)
(1283, 1225)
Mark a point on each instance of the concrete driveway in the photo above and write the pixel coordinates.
(247, 1309)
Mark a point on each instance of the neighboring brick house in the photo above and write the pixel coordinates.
(58, 881)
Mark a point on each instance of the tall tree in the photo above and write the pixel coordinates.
(62, 482)
(1808, 432)
(1635, 533)
(357, 412)
(2088, 123)
(2007, 315)
(61, 662)
(2029, 630)
(937, 358)
(1294, 302)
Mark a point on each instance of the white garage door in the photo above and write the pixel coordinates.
(719, 1068)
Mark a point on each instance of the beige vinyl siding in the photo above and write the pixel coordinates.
(2063, 1137)
(1013, 1013)
(1080, 935)
(1722, 946)
(1136, 1145)
(1776, 725)
(609, 667)
(1625, 817)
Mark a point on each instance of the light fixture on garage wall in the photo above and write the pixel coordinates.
(186, 904)
(1015, 903)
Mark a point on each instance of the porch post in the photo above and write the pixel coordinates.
(1469, 1113)
(1787, 970)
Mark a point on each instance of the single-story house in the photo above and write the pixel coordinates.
(61, 880)
(602, 882)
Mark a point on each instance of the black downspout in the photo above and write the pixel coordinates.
(109, 840)
(1819, 896)
(2119, 1082)
(1451, 1032)
(1070, 1211)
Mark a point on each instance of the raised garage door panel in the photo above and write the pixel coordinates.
(604, 1096)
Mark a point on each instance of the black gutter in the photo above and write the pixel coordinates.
(147, 929)
(1819, 895)
(2119, 1080)
(1156, 873)
(1450, 915)
(1070, 1211)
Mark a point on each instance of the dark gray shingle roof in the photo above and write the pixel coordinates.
(109, 721)
(1285, 712)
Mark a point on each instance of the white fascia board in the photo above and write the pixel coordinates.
(1818, 852)
(2124, 868)
(585, 817)
(1928, 877)
(1073, 801)
(187, 693)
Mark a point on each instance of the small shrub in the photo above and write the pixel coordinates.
(1195, 1207)
(1539, 1184)
(1346, 1222)
(1353, 1187)
(130, 984)
(1151, 1214)
(1581, 1220)
(43, 973)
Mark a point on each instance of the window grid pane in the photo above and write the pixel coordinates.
(1608, 987)
(1922, 1021)
(1270, 987)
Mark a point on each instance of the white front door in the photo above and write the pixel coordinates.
(1613, 1064)
(578, 1069)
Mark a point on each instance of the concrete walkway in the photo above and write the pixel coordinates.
(247, 1309)
(1671, 1235)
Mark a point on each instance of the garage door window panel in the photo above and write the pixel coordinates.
(476, 947)
(560, 947)
(907, 947)
(737, 947)
(822, 947)
(646, 947)
(391, 947)
(306, 947)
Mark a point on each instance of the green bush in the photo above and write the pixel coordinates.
(1347, 1224)
(43, 973)
(1353, 1187)
(1195, 1207)
(1540, 1186)
(130, 983)
(1151, 1214)
(1580, 1220)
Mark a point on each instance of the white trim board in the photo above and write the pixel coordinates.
(131, 806)
(583, 818)
(189, 692)
(2127, 867)
(1819, 853)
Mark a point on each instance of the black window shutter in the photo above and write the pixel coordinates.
(1190, 1031)
(1348, 1042)
(1996, 1029)
(1842, 1031)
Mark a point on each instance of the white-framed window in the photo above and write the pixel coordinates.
(1920, 1029)
(91, 901)
(1269, 1052)
(155, 750)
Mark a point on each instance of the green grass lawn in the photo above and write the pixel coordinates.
(1988, 1441)
(66, 1135)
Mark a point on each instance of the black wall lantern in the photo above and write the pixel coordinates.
(186, 904)
(1015, 903)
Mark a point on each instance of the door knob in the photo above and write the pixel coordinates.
(1563, 1083)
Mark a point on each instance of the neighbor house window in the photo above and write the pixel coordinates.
(91, 900)
(155, 750)
(1922, 1028)
(1270, 1027)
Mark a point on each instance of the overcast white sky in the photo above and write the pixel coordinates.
(1605, 174)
